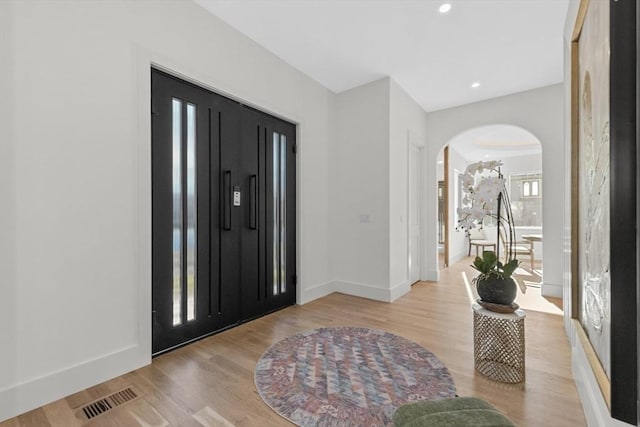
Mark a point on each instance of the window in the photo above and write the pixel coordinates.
(531, 188)
(180, 215)
(279, 213)
(526, 199)
(176, 165)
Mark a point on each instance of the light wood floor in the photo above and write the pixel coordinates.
(210, 382)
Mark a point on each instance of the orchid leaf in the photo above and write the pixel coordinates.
(510, 267)
(490, 259)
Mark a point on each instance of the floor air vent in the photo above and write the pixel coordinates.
(100, 406)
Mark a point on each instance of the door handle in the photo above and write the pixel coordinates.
(227, 201)
(253, 200)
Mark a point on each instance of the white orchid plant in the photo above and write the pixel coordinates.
(485, 196)
(480, 199)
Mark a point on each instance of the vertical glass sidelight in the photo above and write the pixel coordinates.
(276, 213)
(176, 178)
(279, 213)
(192, 216)
(283, 213)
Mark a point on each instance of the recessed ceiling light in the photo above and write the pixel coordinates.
(445, 7)
(486, 155)
(475, 84)
(440, 162)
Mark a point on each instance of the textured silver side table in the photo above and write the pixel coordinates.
(498, 344)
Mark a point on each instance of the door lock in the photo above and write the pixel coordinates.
(236, 195)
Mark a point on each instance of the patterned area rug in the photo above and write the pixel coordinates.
(348, 377)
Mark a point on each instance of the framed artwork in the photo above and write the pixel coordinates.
(604, 197)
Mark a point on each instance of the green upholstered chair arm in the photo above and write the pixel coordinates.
(454, 412)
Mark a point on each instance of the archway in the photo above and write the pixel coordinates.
(521, 154)
(540, 113)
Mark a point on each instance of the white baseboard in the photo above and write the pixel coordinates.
(315, 292)
(432, 276)
(362, 290)
(399, 290)
(355, 289)
(372, 292)
(551, 290)
(593, 404)
(24, 397)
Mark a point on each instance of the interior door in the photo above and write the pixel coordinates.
(414, 174)
(223, 189)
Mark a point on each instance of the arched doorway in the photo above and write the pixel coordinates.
(538, 111)
(521, 153)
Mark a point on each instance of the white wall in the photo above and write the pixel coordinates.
(75, 181)
(408, 124)
(440, 166)
(530, 163)
(540, 112)
(368, 185)
(458, 243)
(8, 303)
(359, 186)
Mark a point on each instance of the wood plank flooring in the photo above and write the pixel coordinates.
(210, 383)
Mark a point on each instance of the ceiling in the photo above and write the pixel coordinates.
(495, 142)
(507, 46)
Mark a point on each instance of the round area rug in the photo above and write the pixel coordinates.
(348, 377)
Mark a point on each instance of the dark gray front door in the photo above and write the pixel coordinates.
(223, 188)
